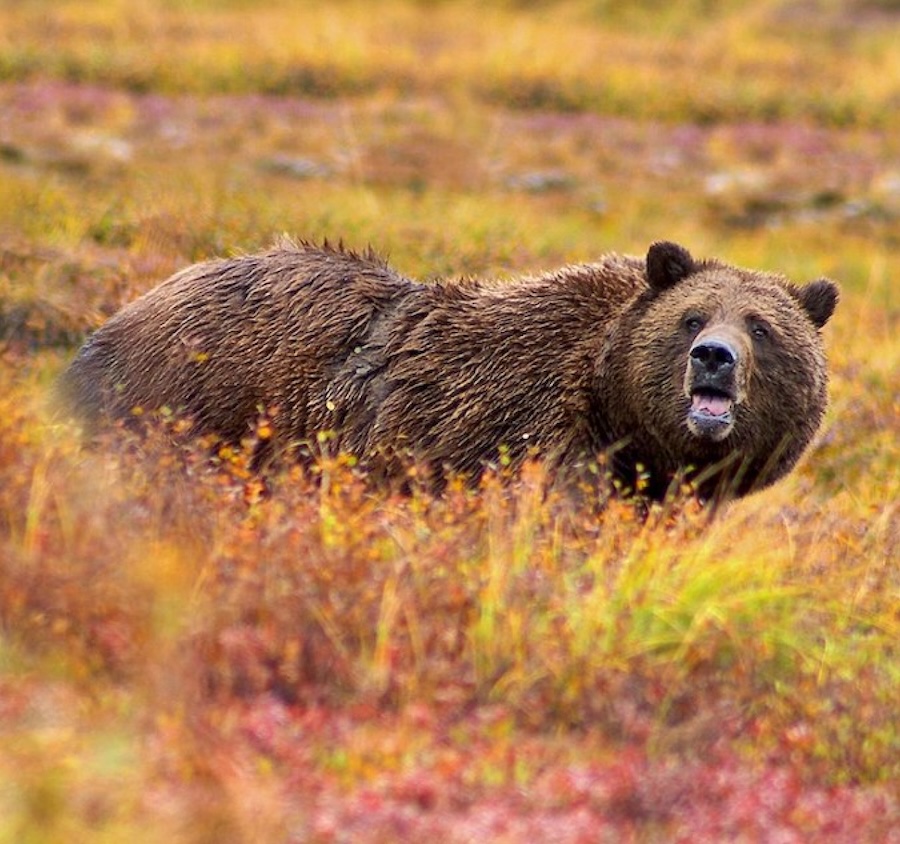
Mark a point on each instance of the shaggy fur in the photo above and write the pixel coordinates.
(588, 359)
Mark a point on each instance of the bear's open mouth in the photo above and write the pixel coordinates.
(711, 402)
(712, 413)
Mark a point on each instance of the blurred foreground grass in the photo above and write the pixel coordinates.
(183, 657)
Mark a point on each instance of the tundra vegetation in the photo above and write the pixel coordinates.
(189, 652)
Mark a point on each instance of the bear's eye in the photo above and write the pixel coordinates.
(760, 330)
(693, 323)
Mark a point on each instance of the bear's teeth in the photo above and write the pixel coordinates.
(713, 405)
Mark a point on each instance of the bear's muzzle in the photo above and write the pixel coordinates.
(711, 385)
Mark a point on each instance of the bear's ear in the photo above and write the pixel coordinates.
(667, 264)
(819, 299)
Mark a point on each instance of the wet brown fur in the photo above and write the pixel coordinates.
(568, 364)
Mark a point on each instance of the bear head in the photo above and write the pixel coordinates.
(724, 370)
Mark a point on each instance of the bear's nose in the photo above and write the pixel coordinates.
(713, 357)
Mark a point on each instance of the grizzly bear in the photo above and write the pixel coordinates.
(670, 369)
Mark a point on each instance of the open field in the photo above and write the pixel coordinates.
(190, 654)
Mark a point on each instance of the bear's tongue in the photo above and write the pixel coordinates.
(713, 405)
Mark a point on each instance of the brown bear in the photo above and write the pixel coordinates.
(672, 368)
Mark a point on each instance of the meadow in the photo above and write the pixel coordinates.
(192, 653)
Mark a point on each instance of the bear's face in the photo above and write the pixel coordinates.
(727, 362)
